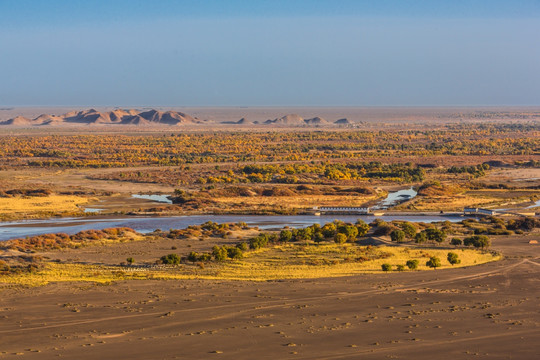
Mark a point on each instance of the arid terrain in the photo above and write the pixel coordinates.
(485, 311)
(419, 281)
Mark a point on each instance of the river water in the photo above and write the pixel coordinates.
(23, 228)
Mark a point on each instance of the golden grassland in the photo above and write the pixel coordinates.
(303, 201)
(450, 203)
(34, 206)
(291, 261)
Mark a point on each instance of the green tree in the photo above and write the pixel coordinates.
(340, 238)
(409, 229)
(171, 259)
(362, 227)
(456, 242)
(435, 234)
(285, 235)
(433, 262)
(386, 267)
(329, 230)
(412, 264)
(219, 253)
(130, 260)
(421, 237)
(397, 236)
(453, 258)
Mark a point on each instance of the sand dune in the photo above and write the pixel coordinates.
(94, 117)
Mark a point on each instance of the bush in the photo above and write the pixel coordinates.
(400, 267)
(171, 259)
(340, 238)
(397, 236)
(193, 256)
(409, 229)
(453, 258)
(478, 241)
(433, 262)
(220, 253)
(243, 246)
(456, 242)
(362, 228)
(258, 242)
(386, 267)
(412, 264)
(421, 237)
(130, 260)
(234, 253)
(435, 234)
(285, 235)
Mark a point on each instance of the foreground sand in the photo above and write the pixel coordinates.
(485, 311)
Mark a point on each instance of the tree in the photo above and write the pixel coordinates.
(130, 260)
(478, 241)
(400, 267)
(285, 235)
(421, 237)
(453, 258)
(362, 227)
(409, 229)
(340, 238)
(171, 259)
(220, 253)
(349, 230)
(456, 242)
(435, 234)
(397, 235)
(386, 267)
(433, 262)
(234, 252)
(329, 230)
(412, 264)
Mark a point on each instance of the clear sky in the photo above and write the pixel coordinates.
(269, 52)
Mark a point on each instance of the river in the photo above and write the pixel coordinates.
(23, 228)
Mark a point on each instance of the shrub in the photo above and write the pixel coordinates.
(329, 230)
(234, 253)
(362, 227)
(412, 264)
(421, 237)
(397, 235)
(258, 242)
(456, 242)
(171, 259)
(285, 235)
(386, 267)
(435, 234)
(193, 256)
(478, 241)
(220, 253)
(453, 258)
(340, 238)
(433, 262)
(409, 229)
(243, 246)
(130, 260)
(400, 267)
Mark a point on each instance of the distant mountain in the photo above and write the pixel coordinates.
(94, 117)
(242, 121)
(316, 121)
(288, 120)
(342, 122)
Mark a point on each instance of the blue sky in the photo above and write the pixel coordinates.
(269, 53)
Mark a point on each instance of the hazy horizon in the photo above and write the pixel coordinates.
(294, 53)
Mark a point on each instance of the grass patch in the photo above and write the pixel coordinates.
(290, 261)
(23, 206)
